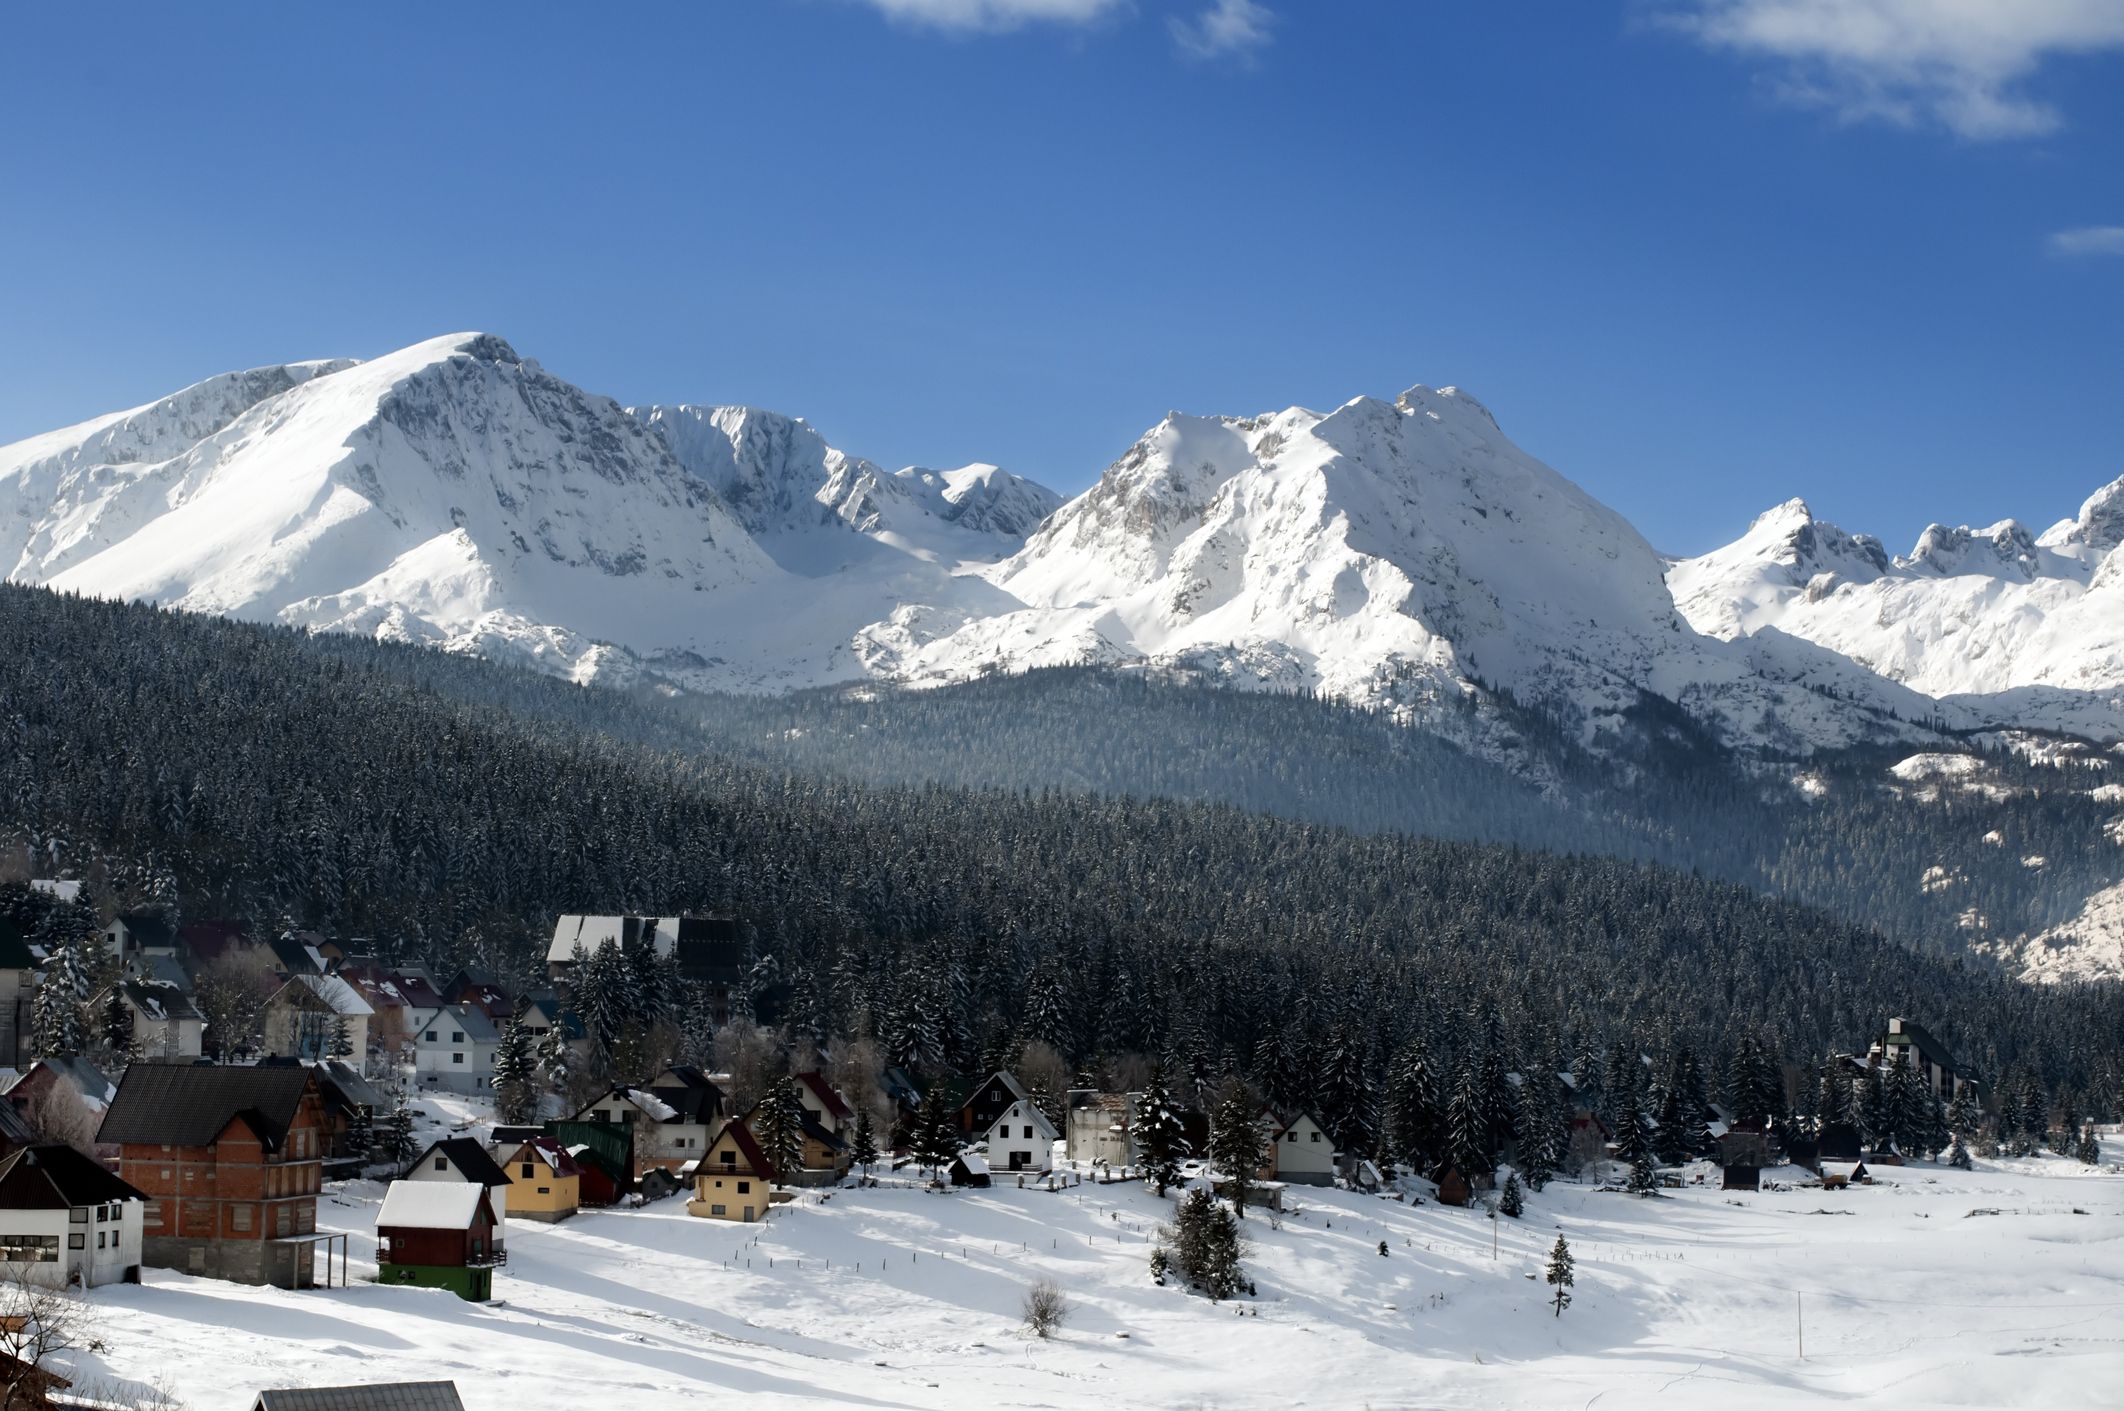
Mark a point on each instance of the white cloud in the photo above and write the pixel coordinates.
(995, 14)
(1227, 27)
(2089, 240)
(1959, 64)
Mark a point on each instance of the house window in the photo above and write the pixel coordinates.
(457, 1038)
(78, 1215)
(99, 1238)
(730, 1158)
(545, 1190)
(1028, 1131)
(79, 1241)
(457, 1058)
(239, 1217)
(744, 1188)
(527, 1170)
(1313, 1137)
(29, 1249)
(281, 1218)
(718, 1210)
(442, 1163)
(431, 1036)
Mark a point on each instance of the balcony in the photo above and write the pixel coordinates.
(491, 1258)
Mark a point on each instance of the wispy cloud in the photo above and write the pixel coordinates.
(1227, 28)
(2088, 240)
(994, 15)
(1964, 65)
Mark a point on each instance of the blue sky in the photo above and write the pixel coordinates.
(1700, 255)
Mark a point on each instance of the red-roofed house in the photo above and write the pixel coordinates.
(733, 1179)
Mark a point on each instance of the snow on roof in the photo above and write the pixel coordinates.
(339, 996)
(430, 1205)
(975, 1163)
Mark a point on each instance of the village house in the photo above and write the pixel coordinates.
(733, 1180)
(316, 1016)
(707, 950)
(545, 1183)
(463, 1160)
(140, 933)
(824, 1155)
(1020, 1138)
(825, 1104)
(66, 1221)
(64, 1099)
(376, 1396)
(1099, 1128)
(1910, 1045)
(439, 1235)
(454, 1049)
(1297, 1150)
(481, 991)
(668, 1126)
(351, 1101)
(166, 1023)
(987, 1102)
(230, 1160)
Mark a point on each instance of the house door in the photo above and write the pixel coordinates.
(1019, 1160)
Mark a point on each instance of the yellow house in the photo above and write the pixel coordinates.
(734, 1180)
(544, 1181)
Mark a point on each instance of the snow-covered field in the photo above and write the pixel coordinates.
(1995, 1287)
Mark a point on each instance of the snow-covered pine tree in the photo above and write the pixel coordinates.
(778, 1123)
(360, 1140)
(1560, 1275)
(1832, 1103)
(2089, 1148)
(117, 1025)
(1203, 1245)
(1415, 1124)
(1511, 1201)
(556, 1058)
(936, 1139)
(515, 1074)
(58, 1028)
(864, 1150)
(1467, 1133)
(1160, 1134)
(395, 1141)
(1236, 1141)
(341, 1042)
(1963, 1116)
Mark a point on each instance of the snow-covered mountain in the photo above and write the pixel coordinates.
(1996, 622)
(1390, 553)
(1401, 554)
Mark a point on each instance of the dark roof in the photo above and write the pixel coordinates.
(341, 1084)
(470, 1159)
(817, 1133)
(293, 955)
(691, 1104)
(828, 1098)
(708, 950)
(150, 928)
(15, 1130)
(377, 1396)
(14, 949)
(186, 1104)
(55, 1177)
(748, 1147)
(159, 1000)
(685, 1075)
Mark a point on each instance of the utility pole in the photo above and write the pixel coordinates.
(1799, 1314)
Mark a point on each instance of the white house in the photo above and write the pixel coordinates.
(672, 1124)
(1299, 1152)
(1022, 1139)
(453, 1048)
(303, 1016)
(166, 1024)
(465, 1160)
(65, 1220)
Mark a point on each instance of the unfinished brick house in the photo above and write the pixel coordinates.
(230, 1160)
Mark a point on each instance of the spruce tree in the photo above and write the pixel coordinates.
(395, 1142)
(515, 1074)
(117, 1025)
(2089, 1148)
(865, 1149)
(1415, 1124)
(1511, 1201)
(58, 1027)
(1160, 1135)
(778, 1124)
(1236, 1142)
(936, 1140)
(1560, 1276)
(360, 1139)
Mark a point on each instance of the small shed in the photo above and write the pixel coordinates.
(1742, 1154)
(969, 1168)
(1838, 1174)
(439, 1234)
(1453, 1187)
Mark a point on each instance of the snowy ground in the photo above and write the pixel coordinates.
(900, 1298)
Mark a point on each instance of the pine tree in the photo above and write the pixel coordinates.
(936, 1139)
(865, 1150)
(117, 1025)
(395, 1141)
(58, 1027)
(778, 1123)
(1160, 1135)
(342, 1040)
(1415, 1124)
(1962, 1114)
(1511, 1201)
(1467, 1127)
(1832, 1106)
(1560, 1276)
(360, 1139)
(1235, 1142)
(1644, 1176)
(1203, 1245)
(2088, 1149)
(515, 1074)
(557, 1058)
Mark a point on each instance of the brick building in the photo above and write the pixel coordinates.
(230, 1160)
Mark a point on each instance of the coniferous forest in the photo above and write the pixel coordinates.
(446, 809)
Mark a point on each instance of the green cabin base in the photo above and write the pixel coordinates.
(472, 1285)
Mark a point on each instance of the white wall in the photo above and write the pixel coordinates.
(1009, 1149)
(92, 1266)
(424, 1170)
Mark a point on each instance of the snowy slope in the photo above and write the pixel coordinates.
(1390, 553)
(1934, 1287)
(2004, 625)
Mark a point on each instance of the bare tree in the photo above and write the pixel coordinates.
(232, 991)
(752, 1058)
(1045, 1074)
(1045, 1308)
(38, 1321)
(57, 1112)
